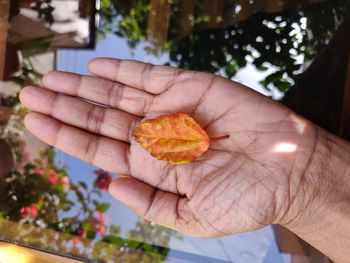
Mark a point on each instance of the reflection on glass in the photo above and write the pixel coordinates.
(10, 254)
(42, 204)
(224, 36)
(57, 23)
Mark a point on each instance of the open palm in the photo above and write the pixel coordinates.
(252, 179)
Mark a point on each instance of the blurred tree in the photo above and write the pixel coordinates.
(283, 40)
(124, 18)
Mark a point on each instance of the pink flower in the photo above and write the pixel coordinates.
(53, 177)
(98, 223)
(102, 230)
(66, 182)
(103, 180)
(39, 171)
(29, 211)
(100, 217)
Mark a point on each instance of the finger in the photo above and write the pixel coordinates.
(99, 90)
(108, 154)
(107, 122)
(147, 77)
(154, 205)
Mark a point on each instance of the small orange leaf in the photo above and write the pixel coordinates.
(176, 138)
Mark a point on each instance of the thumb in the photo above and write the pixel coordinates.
(152, 204)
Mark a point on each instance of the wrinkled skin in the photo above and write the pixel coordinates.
(256, 177)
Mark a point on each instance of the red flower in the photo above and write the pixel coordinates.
(53, 177)
(103, 180)
(29, 211)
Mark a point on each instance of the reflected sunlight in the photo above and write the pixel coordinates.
(14, 254)
(300, 124)
(285, 147)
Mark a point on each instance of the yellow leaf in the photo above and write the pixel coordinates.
(176, 138)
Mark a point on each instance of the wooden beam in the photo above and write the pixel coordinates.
(4, 15)
(215, 11)
(247, 9)
(158, 22)
(269, 6)
(186, 17)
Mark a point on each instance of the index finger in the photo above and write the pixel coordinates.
(102, 91)
(143, 76)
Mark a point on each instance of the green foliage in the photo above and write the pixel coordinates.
(107, 15)
(282, 41)
(126, 19)
(102, 207)
(44, 9)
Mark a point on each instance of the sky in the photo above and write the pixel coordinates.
(253, 247)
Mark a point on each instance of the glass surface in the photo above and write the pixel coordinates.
(54, 23)
(59, 204)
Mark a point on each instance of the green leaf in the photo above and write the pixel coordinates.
(261, 68)
(113, 240)
(283, 86)
(103, 207)
(134, 244)
(232, 68)
(91, 235)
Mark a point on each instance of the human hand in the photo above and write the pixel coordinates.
(256, 177)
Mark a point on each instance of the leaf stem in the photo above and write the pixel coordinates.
(219, 138)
